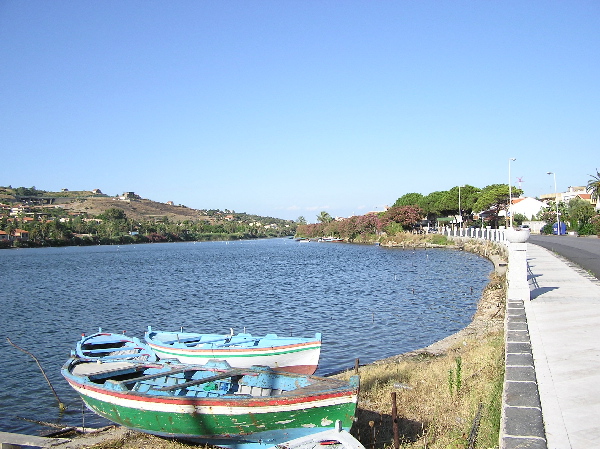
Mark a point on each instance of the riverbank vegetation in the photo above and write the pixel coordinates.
(34, 218)
(467, 205)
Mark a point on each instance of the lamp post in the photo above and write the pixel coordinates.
(556, 201)
(459, 209)
(510, 192)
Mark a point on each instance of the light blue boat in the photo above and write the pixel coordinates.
(107, 346)
(242, 350)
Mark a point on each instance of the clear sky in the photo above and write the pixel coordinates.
(289, 108)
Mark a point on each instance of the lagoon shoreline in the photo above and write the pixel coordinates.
(488, 318)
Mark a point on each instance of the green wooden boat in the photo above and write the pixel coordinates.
(213, 403)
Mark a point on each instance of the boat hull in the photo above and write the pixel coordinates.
(336, 438)
(230, 420)
(300, 358)
(303, 360)
(196, 421)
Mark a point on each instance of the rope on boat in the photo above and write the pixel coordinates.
(61, 405)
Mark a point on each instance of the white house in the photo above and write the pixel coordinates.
(527, 206)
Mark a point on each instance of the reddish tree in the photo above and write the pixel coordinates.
(407, 216)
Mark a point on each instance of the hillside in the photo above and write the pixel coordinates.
(135, 207)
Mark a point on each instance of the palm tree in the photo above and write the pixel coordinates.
(324, 217)
(593, 186)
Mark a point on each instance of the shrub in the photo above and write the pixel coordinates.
(438, 239)
(595, 222)
(587, 229)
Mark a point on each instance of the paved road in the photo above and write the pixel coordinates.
(584, 251)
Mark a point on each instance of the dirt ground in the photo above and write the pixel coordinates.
(141, 209)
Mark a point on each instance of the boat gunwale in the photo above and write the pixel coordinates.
(331, 388)
(152, 341)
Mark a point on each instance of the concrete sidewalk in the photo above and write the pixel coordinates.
(563, 317)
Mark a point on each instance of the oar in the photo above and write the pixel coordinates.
(61, 405)
(241, 342)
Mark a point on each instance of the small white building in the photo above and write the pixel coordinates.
(525, 206)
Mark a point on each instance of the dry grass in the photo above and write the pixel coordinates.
(411, 240)
(439, 389)
(437, 397)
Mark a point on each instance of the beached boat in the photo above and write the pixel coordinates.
(331, 239)
(336, 438)
(292, 354)
(214, 403)
(109, 346)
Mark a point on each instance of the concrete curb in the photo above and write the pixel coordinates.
(522, 423)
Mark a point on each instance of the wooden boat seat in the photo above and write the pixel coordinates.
(253, 341)
(98, 371)
(115, 385)
(161, 374)
(189, 340)
(258, 391)
(225, 375)
(112, 349)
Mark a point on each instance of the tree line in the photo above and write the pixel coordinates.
(413, 210)
(53, 227)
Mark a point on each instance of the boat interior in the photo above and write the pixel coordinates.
(189, 381)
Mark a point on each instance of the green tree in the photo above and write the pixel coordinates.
(301, 220)
(324, 217)
(409, 199)
(495, 198)
(465, 197)
(434, 203)
(518, 219)
(113, 214)
(580, 212)
(593, 186)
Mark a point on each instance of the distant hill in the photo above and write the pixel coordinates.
(95, 203)
(138, 209)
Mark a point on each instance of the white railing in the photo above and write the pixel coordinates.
(495, 235)
(515, 241)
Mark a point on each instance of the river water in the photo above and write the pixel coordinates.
(369, 302)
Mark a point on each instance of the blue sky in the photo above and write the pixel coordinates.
(288, 108)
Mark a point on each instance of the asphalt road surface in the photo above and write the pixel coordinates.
(583, 251)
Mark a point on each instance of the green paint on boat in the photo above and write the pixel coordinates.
(210, 425)
(176, 354)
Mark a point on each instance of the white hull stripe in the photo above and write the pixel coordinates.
(244, 361)
(215, 410)
(236, 352)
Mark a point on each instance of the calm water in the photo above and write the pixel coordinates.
(369, 302)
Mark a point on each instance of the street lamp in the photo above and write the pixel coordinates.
(459, 209)
(556, 201)
(510, 192)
